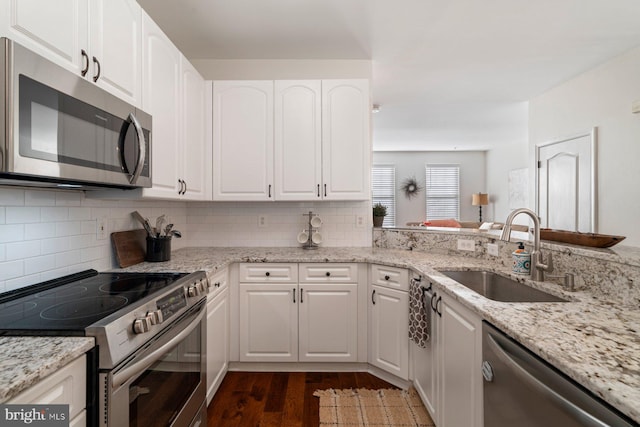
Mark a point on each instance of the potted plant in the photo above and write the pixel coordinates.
(379, 212)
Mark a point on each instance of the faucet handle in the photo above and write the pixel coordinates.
(545, 264)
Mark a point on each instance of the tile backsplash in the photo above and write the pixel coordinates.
(46, 234)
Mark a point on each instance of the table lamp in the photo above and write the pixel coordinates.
(480, 200)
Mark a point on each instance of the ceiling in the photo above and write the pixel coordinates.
(448, 75)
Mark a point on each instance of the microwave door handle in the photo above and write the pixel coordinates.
(140, 366)
(142, 147)
(585, 418)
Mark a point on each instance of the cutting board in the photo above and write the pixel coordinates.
(130, 246)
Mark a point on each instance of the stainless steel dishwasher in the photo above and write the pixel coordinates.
(520, 389)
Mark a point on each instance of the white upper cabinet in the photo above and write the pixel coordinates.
(298, 139)
(243, 140)
(161, 96)
(195, 147)
(116, 45)
(346, 145)
(98, 39)
(291, 140)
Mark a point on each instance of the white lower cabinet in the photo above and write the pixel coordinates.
(217, 332)
(66, 386)
(313, 320)
(389, 322)
(447, 373)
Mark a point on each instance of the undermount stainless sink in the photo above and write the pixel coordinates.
(499, 288)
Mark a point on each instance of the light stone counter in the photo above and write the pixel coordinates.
(595, 342)
(24, 361)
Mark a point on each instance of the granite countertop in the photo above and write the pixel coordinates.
(26, 360)
(595, 342)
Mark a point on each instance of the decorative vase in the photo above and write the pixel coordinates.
(377, 221)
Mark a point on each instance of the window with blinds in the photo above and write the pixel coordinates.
(443, 191)
(383, 190)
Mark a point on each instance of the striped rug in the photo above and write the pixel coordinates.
(372, 408)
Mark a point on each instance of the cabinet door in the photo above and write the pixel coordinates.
(328, 323)
(196, 150)
(425, 365)
(56, 30)
(268, 323)
(217, 341)
(161, 98)
(243, 140)
(389, 340)
(346, 145)
(116, 42)
(298, 140)
(460, 363)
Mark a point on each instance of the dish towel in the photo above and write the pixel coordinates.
(418, 316)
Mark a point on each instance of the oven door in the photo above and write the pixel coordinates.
(163, 384)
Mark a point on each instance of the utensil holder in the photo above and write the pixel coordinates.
(158, 249)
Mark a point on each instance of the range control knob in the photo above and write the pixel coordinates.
(202, 286)
(193, 291)
(142, 325)
(155, 317)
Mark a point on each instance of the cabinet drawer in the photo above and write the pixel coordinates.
(328, 273)
(390, 277)
(66, 386)
(261, 273)
(217, 283)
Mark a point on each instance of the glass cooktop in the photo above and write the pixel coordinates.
(70, 304)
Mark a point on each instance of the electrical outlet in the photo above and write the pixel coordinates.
(262, 221)
(492, 249)
(466, 245)
(359, 221)
(101, 229)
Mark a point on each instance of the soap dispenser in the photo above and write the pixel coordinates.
(521, 260)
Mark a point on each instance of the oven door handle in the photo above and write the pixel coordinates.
(141, 365)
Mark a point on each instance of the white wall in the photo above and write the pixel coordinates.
(411, 164)
(601, 97)
(273, 69)
(500, 161)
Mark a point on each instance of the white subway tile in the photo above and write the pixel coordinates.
(69, 228)
(22, 250)
(66, 259)
(88, 227)
(90, 254)
(43, 230)
(3, 256)
(11, 197)
(39, 264)
(68, 198)
(21, 282)
(78, 213)
(22, 215)
(39, 198)
(11, 269)
(2, 215)
(11, 233)
(51, 214)
(52, 246)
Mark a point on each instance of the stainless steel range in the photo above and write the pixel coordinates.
(149, 330)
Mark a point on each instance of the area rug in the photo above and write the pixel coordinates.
(372, 408)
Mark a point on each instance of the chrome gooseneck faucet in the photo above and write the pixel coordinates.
(538, 266)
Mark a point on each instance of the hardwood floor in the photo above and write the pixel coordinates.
(278, 399)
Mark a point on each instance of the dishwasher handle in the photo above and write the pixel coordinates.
(587, 419)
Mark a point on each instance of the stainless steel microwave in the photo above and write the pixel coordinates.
(59, 130)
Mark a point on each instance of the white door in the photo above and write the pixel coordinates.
(346, 145)
(460, 361)
(328, 325)
(243, 140)
(116, 43)
(268, 323)
(57, 30)
(217, 341)
(389, 340)
(161, 98)
(566, 183)
(425, 366)
(196, 150)
(298, 140)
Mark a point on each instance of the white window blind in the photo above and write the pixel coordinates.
(443, 191)
(383, 189)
